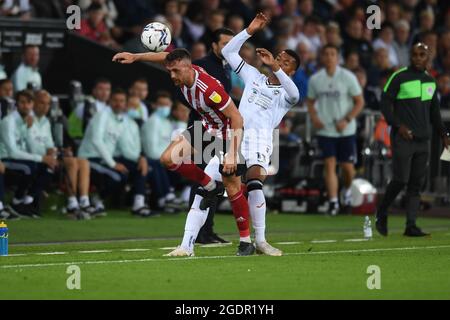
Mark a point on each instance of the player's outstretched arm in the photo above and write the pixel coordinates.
(231, 50)
(128, 58)
(237, 125)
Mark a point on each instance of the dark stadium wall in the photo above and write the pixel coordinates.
(85, 61)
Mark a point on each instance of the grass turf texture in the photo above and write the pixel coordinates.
(410, 268)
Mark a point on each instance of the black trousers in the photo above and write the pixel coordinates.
(410, 167)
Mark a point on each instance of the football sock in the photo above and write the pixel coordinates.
(139, 202)
(240, 208)
(195, 220)
(72, 202)
(257, 204)
(84, 201)
(192, 172)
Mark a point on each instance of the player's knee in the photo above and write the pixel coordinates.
(166, 159)
(254, 184)
(232, 187)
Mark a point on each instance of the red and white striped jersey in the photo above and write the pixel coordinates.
(208, 97)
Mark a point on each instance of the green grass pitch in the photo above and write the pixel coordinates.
(120, 257)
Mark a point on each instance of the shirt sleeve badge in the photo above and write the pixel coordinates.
(215, 97)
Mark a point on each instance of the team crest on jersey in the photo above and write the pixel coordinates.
(215, 97)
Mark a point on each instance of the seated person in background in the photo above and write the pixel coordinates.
(156, 136)
(139, 89)
(40, 141)
(6, 97)
(27, 72)
(35, 171)
(110, 133)
(80, 117)
(180, 116)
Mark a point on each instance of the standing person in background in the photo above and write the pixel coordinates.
(27, 72)
(156, 137)
(6, 97)
(334, 100)
(410, 105)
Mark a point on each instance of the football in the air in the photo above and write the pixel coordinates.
(156, 37)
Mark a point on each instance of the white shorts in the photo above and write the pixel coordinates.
(257, 149)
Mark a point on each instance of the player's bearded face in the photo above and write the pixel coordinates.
(178, 70)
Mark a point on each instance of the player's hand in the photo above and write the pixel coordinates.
(50, 161)
(317, 123)
(68, 152)
(52, 152)
(143, 166)
(29, 121)
(266, 57)
(405, 132)
(341, 125)
(124, 58)
(121, 168)
(229, 163)
(258, 23)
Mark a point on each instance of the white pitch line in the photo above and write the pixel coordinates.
(215, 257)
(135, 250)
(355, 240)
(323, 241)
(168, 248)
(50, 253)
(288, 243)
(95, 251)
(216, 245)
(16, 255)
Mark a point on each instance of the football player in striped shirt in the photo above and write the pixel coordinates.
(221, 132)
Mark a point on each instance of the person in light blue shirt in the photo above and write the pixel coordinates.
(113, 157)
(156, 136)
(28, 72)
(35, 170)
(334, 100)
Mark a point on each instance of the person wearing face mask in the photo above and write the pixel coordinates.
(156, 136)
(112, 146)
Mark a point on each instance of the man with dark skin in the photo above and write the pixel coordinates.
(411, 106)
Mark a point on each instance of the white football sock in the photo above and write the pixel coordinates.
(17, 201)
(1, 206)
(245, 239)
(195, 220)
(257, 206)
(334, 199)
(139, 201)
(72, 202)
(84, 201)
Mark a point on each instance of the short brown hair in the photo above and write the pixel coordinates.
(27, 94)
(178, 54)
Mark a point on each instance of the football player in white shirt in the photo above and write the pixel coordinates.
(265, 101)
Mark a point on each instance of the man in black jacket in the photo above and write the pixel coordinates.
(215, 65)
(411, 106)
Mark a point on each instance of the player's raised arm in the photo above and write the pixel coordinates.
(293, 95)
(128, 58)
(231, 50)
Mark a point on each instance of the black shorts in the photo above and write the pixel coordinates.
(207, 146)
